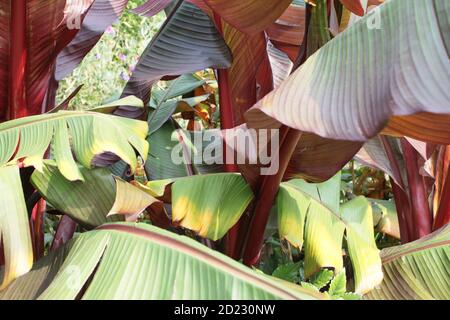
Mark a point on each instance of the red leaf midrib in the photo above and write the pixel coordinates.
(17, 60)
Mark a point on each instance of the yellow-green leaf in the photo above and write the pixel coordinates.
(14, 227)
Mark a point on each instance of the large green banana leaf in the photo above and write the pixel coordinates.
(251, 16)
(137, 261)
(185, 83)
(89, 133)
(312, 213)
(152, 7)
(86, 202)
(207, 204)
(96, 200)
(417, 270)
(369, 73)
(27, 139)
(14, 231)
(32, 34)
(165, 107)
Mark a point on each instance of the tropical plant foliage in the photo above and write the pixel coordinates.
(355, 89)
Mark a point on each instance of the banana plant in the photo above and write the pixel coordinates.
(329, 83)
(87, 268)
(417, 270)
(24, 143)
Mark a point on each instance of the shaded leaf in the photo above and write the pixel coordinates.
(169, 141)
(288, 31)
(388, 221)
(322, 278)
(288, 272)
(101, 15)
(88, 202)
(187, 42)
(280, 63)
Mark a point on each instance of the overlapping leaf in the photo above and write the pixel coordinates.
(187, 42)
(14, 230)
(89, 133)
(288, 31)
(152, 7)
(417, 270)
(280, 63)
(362, 249)
(386, 220)
(145, 253)
(311, 213)
(210, 204)
(338, 92)
(101, 15)
(87, 202)
(374, 154)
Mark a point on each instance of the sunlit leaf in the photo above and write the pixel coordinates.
(87, 202)
(89, 133)
(14, 227)
(417, 270)
(125, 261)
(337, 93)
(362, 248)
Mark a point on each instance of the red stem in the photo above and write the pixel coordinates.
(18, 56)
(422, 217)
(268, 191)
(37, 227)
(227, 122)
(404, 215)
(403, 206)
(443, 213)
(2, 253)
(226, 107)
